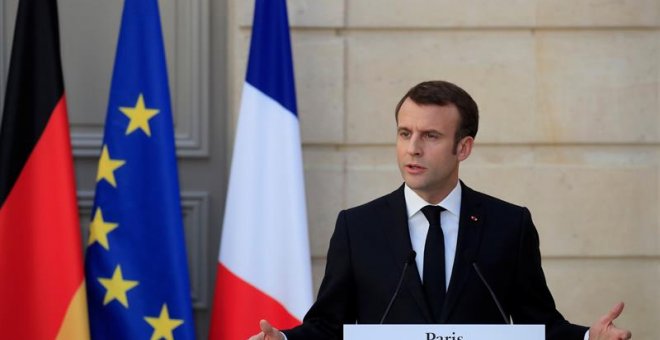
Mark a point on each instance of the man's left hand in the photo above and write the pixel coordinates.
(604, 328)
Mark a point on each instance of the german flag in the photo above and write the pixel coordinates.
(42, 288)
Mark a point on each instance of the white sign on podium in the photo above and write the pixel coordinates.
(444, 332)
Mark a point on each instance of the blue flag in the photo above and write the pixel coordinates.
(136, 268)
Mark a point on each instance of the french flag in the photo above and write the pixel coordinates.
(264, 264)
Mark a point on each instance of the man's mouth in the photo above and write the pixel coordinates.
(415, 168)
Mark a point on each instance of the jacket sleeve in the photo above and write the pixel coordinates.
(533, 302)
(335, 304)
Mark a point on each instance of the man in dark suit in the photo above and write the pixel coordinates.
(457, 234)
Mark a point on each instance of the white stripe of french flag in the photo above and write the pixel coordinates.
(264, 269)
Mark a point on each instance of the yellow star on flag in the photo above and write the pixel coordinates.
(116, 287)
(99, 230)
(163, 325)
(139, 116)
(107, 167)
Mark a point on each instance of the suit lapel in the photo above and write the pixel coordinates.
(398, 235)
(469, 238)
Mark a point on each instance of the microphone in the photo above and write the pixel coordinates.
(409, 260)
(492, 294)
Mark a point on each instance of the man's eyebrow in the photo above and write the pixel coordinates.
(432, 131)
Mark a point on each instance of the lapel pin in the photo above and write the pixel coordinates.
(474, 218)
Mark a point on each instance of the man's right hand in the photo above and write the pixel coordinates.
(268, 332)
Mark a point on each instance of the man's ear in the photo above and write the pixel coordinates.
(464, 148)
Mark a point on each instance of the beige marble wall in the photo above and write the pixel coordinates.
(568, 92)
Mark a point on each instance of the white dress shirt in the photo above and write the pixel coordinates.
(418, 226)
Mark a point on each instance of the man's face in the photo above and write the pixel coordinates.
(425, 148)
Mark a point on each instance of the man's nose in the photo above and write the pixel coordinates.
(414, 146)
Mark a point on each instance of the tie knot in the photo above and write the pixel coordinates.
(432, 213)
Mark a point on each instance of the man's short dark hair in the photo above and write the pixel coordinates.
(438, 92)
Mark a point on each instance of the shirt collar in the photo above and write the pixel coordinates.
(451, 203)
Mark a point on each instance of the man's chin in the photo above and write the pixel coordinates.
(413, 184)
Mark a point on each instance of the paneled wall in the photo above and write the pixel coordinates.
(570, 123)
(194, 32)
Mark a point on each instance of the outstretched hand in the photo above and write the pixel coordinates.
(268, 332)
(604, 328)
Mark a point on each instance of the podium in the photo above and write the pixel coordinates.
(444, 332)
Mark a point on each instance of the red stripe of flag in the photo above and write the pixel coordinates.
(41, 262)
(240, 304)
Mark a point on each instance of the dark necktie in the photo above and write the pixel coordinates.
(434, 261)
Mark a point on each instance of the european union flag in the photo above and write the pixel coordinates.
(136, 268)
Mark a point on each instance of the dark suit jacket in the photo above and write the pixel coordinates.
(371, 243)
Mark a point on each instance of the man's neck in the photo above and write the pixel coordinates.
(436, 197)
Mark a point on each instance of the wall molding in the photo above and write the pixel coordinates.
(189, 90)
